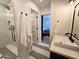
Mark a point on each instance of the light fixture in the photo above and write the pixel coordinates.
(41, 0)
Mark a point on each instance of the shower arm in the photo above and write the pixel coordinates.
(6, 6)
(71, 34)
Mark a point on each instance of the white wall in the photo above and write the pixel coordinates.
(32, 5)
(25, 6)
(36, 8)
(63, 13)
(76, 22)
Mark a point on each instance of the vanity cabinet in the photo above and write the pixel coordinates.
(57, 56)
(66, 51)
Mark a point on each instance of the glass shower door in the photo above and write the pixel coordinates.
(5, 37)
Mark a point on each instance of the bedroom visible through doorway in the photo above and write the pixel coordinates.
(45, 27)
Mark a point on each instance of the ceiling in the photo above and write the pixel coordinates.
(65, 2)
(47, 3)
(43, 4)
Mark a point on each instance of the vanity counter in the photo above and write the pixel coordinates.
(72, 54)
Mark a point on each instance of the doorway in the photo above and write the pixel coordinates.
(45, 28)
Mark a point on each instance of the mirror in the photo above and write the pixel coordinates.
(7, 31)
(34, 18)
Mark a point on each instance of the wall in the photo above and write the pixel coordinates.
(25, 6)
(62, 12)
(76, 22)
(37, 9)
(32, 5)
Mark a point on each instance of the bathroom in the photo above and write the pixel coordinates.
(21, 29)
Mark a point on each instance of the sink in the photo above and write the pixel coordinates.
(71, 46)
